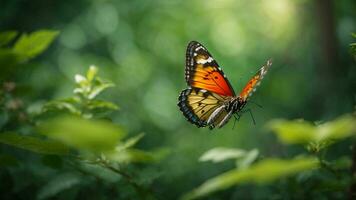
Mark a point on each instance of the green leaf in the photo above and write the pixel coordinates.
(6, 37)
(130, 142)
(98, 89)
(100, 104)
(260, 173)
(8, 160)
(220, 154)
(248, 159)
(29, 46)
(83, 134)
(62, 105)
(52, 161)
(34, 144)
(293, 132)
(301, 132)
(93, 70)
(58, 184)
(342, 127)
(130, 156)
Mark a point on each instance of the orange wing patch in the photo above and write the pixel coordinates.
(255, 81)
(203, 72)
(210, 79)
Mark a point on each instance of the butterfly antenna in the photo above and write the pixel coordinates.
(259, 105)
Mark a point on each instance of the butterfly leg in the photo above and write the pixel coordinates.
(249, 110)
(236, 119)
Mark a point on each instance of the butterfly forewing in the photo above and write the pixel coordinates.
(202, 71)
(251, 85)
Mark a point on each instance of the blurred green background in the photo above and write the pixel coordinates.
(140, 45)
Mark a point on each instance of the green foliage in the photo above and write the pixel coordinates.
(31, 45)
(260, 173)
(83, 134)
(219, 154)
(84, 102)
(6, 37)
(353, 46)
(140, 47)
(16, 53)
(316, 137)
(243, 158)
(58, 184)
(33, 144)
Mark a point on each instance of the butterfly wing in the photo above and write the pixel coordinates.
(250, 87)
(202, 71)
(198, 105)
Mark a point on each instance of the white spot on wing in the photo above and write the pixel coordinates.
(199, 47)
(203, 61)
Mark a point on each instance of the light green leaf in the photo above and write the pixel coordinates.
(62, 105)
(130, 156)
(302, 132)
(342, 127)
(260, 173)
(130, 142)
(98, 89)
(35, 43)
(220, 154)
(33, 144)
(293, 132)
(6, 37)
(57, 185)
(248, 159)
(83, 134)
(100, 104)
(93, 70)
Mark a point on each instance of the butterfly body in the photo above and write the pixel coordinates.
(210, 99)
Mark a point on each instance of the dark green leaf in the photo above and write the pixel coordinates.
(57, 185)
(8, 160)
(52, 161)
(6, 37)
(34, 144)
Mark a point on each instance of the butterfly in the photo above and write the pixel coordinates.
(210, 99)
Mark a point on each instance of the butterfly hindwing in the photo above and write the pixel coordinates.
(202, 71)
(197, 105)
(251, 85)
